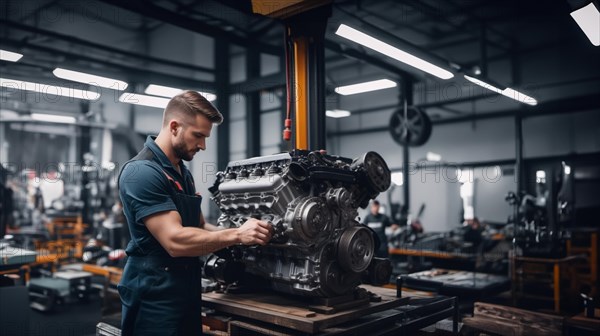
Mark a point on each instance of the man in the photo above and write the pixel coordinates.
(160, 287)
(378, 222)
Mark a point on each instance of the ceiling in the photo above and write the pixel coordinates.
(531, 45)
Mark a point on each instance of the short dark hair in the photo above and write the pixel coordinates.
(190, 103)
(375, 202)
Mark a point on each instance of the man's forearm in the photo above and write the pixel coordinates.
(191, 242)
(211, 227)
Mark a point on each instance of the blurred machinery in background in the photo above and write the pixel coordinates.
(539, 220)
(318, 248)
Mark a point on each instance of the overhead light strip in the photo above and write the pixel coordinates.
(53, 118)
(140, 99)
(375, 85)
(9, 56)
(170, 92)
(391, 51)
(507, 92)
(483, 84)
(431, 156)
(337, 113)
(90, 79)
(48, 89)
(588, 19)
(519, 96)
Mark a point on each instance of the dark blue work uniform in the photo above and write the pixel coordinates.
(160, 294)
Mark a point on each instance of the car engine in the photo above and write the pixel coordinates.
(318, 248)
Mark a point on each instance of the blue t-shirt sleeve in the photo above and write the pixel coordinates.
(144, 190)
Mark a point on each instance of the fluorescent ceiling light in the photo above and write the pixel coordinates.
(391, 51)
(433, 156)
(48, 89)
(397, 178)
(53, 118)
(140, 99)
(9, 56)
(375, 85)
(483, 84)
(170, 92)
(588, 19)
(520, 96)
(337, 113)
(90, 79)
(508, 92)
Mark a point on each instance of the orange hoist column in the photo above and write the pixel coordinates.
(301, 91)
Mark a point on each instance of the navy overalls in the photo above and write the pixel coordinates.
(160, 294)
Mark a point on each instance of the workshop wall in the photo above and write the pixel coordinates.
(484, 140)
(238, 64)
(270, 137)
(169, 42)
(237, 127)
(491, 186)
(472, 142)
(561, 134)
(85, 22)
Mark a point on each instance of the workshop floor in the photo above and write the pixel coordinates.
(75, 319)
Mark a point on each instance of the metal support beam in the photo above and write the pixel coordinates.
(260, 32)
(457, 100)
(284, 145)
(399, 23)
(406, 97)
(440, 104)
(159, 13)
(85, 139)
(316, 80)
(470, 12)
(483, 51)
(569, 105)
(253, 112)
(103, 47)
(132, 118)
(132, 73)
(451, 110)
(263, 83)
(222, 83)
(519, 151)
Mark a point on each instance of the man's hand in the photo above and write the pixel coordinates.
(254, 232)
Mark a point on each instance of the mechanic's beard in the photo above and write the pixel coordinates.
(182, 152)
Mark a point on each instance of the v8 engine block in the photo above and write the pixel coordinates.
(318, 247)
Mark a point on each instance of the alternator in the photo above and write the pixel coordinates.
(311, 199)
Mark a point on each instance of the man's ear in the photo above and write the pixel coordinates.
(174, 127)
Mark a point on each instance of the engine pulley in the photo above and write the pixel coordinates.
(356, 248)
